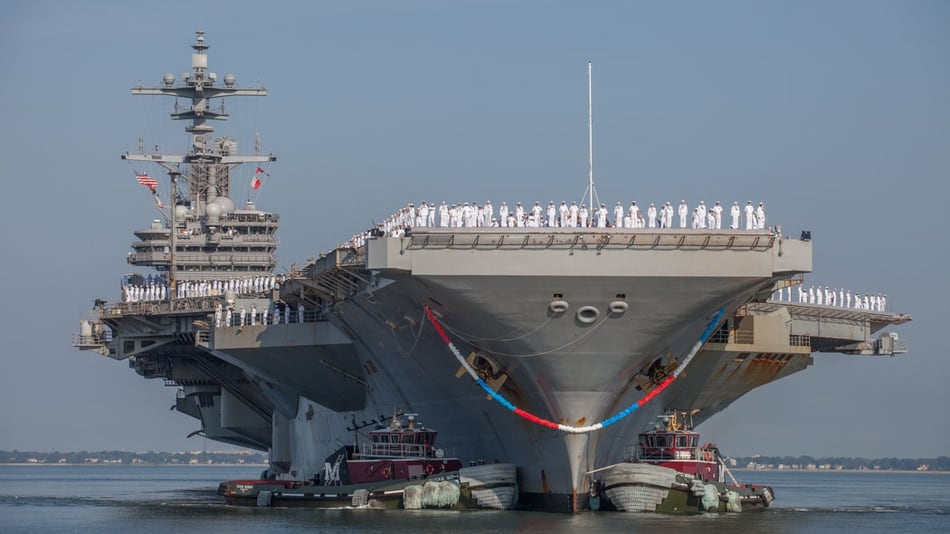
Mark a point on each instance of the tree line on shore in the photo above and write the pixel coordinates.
(941, 463)
(127, 457)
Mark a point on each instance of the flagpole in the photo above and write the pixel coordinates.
(590, 137)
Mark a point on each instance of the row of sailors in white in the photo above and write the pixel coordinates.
(834, 297)
(239, 286)
(241, 317)
(144, 293)
(470, 215)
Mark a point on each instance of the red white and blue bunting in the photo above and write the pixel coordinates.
(568, 428)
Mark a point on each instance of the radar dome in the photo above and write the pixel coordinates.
(213, 211)
(181, 212)
(229, 80)
(227, 205)
(169, 79)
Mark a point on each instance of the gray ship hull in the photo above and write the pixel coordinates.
(496, 304)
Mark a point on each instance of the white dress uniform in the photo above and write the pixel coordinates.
(563, 214)
(735, 212)
(683, 212)
(583, 216)
(749, 216)
(602, 216)
(552, 215)
(503, 214)
(519, 215)
(760, 216)
(489, 214)
(574, 214)
(253, 315)
(668, 216)
(634, 212)
(717, 209)
(702, 214)
(651, 216)
(618, 215)
(444, 215)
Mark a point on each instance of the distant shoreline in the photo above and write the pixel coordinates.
(773, 470)
(109, 464)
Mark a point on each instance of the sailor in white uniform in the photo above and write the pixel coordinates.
(760, 216)
(519, 215)
(683, 213)
(735, 212)
(583, 216)
(574, 215)
(702, 214)
(668, 215)
(562, 212)
(253, 315)
(443, 215)
(694, 223)
(602, 216)
(717, 210)
(749, 215)
(552, 215)
(618, 215)
(227, 317)
(651, 216)
(634, 212)
(489, 214)
(503, 214)
(242, 316)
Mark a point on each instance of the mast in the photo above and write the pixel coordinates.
(590, 136)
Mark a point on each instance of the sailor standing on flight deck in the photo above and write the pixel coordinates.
(583, 216)
(217, 316)
(683, 212)
(503, 214)
(552, 215)
(489, 214)
(717, 209)
(735, 212)
(634, 212)
(562, 212)
(227, 317)
(749, 215)
(651, 216)
(519, 215)
(760, 215)
(242, 316)
(574, 214)
(618, 215)
(444, 215)
(602, 216)
(253, 315)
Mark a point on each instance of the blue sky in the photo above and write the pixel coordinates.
(833, 113)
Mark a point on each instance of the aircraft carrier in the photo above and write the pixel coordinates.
(550, 348)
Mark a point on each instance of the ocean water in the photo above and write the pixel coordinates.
(166, 499)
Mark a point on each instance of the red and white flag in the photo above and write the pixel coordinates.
(147, 181)
(256, 180)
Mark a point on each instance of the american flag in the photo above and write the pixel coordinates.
(147, 181)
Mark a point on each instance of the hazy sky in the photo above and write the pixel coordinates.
(835, 113)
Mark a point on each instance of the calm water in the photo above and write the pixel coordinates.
(171, 499)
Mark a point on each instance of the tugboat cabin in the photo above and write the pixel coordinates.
(677, 447)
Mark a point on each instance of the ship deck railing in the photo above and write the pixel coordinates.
(584, 238)
(634, 453)
(394, 450)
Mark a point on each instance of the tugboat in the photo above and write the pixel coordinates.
(668, 471)
(399, 467)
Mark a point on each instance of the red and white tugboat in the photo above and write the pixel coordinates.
(399, 467)
(668, 471)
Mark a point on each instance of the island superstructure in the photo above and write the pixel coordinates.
(592, 332)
